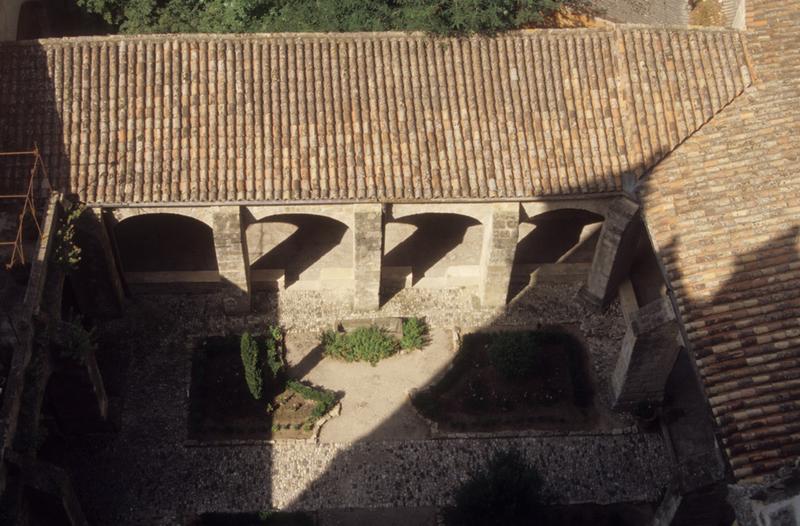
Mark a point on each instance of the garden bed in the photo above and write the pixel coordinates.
(221, 407)
(513, 381)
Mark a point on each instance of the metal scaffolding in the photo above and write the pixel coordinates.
(17, 252)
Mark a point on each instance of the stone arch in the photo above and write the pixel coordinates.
(431, 250)
(340, 213)
(555, 245)
(599, 206)
(480, 212)
(165, 246)
(305, 250)
(199, 214)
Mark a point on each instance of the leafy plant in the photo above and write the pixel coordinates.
(365, 344)
(66, 253)
(253, 365)
(275, 360)
(506, 491)
(74, 341)
(415, 333)
(325, 399)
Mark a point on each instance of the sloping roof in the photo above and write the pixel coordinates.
(388, 117)
(724, 212)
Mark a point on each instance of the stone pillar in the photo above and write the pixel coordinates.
(234, 266)
(614, 254)
(649, 350)
(500, 235)
(367, 254)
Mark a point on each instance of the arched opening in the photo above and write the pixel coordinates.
(555, 246)
(166, 248)
(300, 250)
(431, 250)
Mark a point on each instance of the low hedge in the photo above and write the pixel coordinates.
(365, 344)
(324, 399)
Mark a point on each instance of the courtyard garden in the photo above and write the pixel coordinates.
(242, 386)
(240, 390)
(512, 381)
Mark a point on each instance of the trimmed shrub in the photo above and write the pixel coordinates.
(253, 365)
(506, 491)
(262, 359)
(275, 360)
(517, 355)
(365, 344)
(324, 399)
(415, 333)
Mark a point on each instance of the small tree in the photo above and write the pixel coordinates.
(253, 365)
(506, 491)
(275, 351)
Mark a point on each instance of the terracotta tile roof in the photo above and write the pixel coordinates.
(724, 212)
(387, 117)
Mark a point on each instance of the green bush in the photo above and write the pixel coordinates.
(73, 340)
(517, 355)
(275, 360)
(505, 492)
(253, 365)
(415, 333)
(262, 359)
(365, 344)
(225, 16)
(324, 399)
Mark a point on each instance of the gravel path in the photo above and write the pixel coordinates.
(157, 484)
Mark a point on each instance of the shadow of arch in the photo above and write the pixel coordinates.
(557, 236)
(435, 235)
(297, 241)
(165, 242)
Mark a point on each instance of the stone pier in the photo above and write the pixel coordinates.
(497, 255)
(614, 253)
(649, 350)
(234, 266)
(367, 253)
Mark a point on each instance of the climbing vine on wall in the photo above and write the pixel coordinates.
(66, 253)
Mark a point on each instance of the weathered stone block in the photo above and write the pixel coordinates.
(234, 267)
(500, 234)
(367, 253)
(614, 253)
(649, 349)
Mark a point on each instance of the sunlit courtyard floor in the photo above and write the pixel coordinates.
(375, 405)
